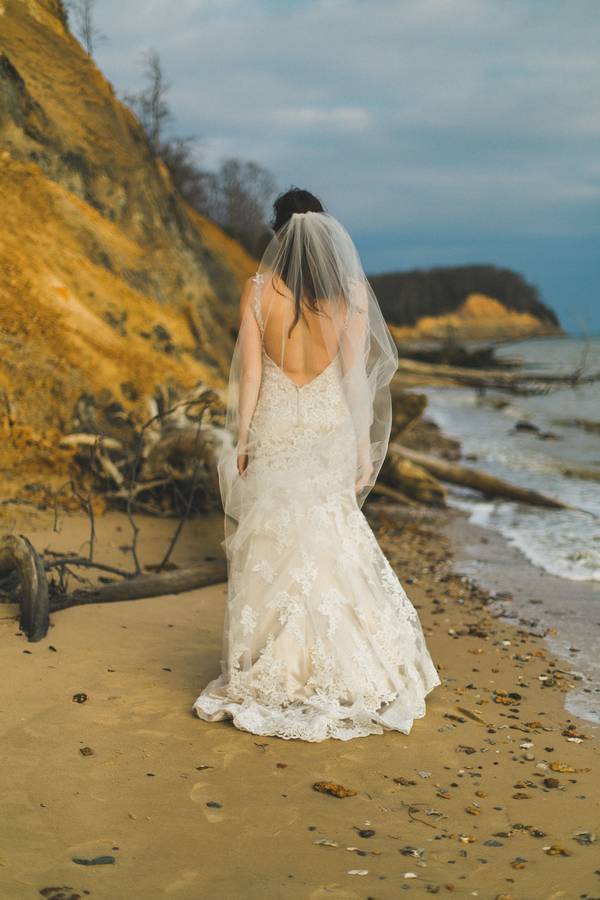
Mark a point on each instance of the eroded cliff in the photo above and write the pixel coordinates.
(110, 285)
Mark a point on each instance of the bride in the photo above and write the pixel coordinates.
(320, 640)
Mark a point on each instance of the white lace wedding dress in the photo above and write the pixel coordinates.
(320, 640)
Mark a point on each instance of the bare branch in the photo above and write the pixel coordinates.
(85, 564)
(89, 34)
(150, 104)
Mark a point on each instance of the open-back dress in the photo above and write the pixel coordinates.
(320, 639)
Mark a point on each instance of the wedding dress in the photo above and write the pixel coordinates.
(320, 640)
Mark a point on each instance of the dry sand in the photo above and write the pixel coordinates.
(186, 809)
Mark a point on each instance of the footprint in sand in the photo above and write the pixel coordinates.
(185, 880)
(201, 793)
(335, 891)
(61, 893)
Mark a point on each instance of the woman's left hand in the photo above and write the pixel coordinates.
(242, 463)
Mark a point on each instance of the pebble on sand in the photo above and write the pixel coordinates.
(334, 790)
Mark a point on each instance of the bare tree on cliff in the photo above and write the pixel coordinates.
(89, 34)
(235, 196)
(241, 191)
(196, 185)
(151, 103)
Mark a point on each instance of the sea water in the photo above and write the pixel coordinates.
(560, 458)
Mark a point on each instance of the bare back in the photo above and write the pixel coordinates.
(314, 341)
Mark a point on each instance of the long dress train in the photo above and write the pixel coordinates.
(320, 640)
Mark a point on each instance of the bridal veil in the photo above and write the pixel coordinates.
(310, 281)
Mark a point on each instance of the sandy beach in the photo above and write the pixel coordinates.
(159, 237)
(112, 788)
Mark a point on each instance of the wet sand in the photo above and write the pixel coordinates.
(494, 793)
(566, 612)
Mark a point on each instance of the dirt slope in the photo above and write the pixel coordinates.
(109, 284)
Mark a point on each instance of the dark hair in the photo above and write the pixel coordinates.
(291, 201)
(296, 200)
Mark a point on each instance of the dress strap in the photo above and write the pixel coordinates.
(258, 279)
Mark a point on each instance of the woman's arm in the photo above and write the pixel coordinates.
(354, 358)
(250, 370)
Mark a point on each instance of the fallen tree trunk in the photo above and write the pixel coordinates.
(494, 378)
(385, 490)
(414, 480)
(175, 582)
(480, 481)
(585, 473)
(18, 555)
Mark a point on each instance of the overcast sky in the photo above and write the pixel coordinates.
(437, 131)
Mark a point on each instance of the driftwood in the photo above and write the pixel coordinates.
(408, 407)
(142, 586)
(522, 382)
(480, 481)
(449, 351)
(179, 452)
(385, 490)
(170, 450)
(79, 439)
(413, 479)
(169, 458)
(590, 425)
(17, 555)
(585, 473)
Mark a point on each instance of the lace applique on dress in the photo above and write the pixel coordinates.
(258, 279)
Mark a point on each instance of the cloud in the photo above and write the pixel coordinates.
(422, 113)
(337, 118)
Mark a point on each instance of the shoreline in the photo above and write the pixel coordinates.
(537, 599)
(485, 797)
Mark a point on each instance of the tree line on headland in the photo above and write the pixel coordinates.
(405, 297)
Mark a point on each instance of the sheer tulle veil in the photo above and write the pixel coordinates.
(312, 265)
